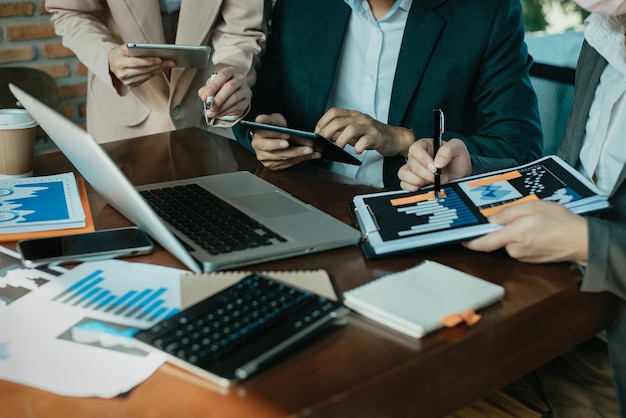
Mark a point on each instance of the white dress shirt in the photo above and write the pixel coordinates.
(604, 152)
(364, 78)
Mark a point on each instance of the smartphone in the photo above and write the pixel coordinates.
(190, 56)
(108, 243)
(328, 149)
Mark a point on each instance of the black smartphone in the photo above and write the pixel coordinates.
(87, 246)
(328, 149)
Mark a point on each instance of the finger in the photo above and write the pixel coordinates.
(283, 159)
(130, 74)
(333, 123)
(209, 89)
(447, 152)
(269, 141)
(137, 80)
(220, 97)
(330, 115)
(409, 180)
(237, 109)
(344, 133)
(490, 242)
(215, 83)
(273, 119)
(236, 104)
(420, 159)
(512, 213)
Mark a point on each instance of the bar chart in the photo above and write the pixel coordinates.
(95, 293)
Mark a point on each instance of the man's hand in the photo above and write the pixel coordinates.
(274, 150)
(363, 132)
(452, 158)
(537, 232)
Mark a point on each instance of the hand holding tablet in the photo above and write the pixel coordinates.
(328, 149)
(189, 56)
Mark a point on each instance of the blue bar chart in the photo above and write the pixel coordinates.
(94, 293)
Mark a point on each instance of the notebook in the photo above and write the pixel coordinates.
(302, 228)
(423, 299)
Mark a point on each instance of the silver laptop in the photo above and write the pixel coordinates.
(303, 228)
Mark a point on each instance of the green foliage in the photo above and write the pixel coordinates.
(534, 12)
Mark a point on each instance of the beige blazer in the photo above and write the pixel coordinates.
(91, 28)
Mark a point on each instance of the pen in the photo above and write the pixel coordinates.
(438, 128)
(209, 100)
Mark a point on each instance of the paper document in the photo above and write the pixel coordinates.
(399, 221)
(40, 203)
(72, 334)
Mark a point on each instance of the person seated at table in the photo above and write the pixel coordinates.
(131, 96)
(367, 75)
(591, 379)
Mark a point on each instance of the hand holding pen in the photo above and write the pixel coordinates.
(438, 129)
(448, 161)
(225, 96)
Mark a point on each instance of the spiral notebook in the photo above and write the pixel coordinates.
(423, 298)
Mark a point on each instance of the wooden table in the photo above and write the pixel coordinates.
(363, 369)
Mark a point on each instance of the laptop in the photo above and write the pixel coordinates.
(299, 227)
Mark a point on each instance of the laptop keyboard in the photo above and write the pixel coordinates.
(239, 330)
(210, 222)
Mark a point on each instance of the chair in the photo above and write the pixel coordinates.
(554, 87)
(39, 84)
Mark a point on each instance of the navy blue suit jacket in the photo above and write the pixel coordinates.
(467, 57)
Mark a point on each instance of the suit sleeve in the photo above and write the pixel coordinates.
(81, 24)
(239, 37)
(509, 130)
(606, 266)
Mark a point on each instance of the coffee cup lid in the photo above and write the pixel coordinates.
(16, 119)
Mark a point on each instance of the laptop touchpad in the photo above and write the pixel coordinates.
(272, 204)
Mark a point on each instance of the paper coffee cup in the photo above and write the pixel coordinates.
(17, 143)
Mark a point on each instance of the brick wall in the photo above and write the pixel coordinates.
(27, 39)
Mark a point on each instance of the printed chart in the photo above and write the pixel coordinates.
(40, 203)
(468, 203)
(95, 293)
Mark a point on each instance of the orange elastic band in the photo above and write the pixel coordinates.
(470, 317)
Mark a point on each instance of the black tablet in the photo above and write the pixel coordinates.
(328, 149)
(189, 56)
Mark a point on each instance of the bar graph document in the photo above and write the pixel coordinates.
(72, 334)
(400, 221)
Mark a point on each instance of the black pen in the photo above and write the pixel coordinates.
(438, 128)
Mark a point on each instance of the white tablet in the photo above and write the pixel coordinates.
(190, 56)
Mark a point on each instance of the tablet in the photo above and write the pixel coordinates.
(328, 149)
(190, 56)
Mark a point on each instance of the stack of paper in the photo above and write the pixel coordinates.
(71, 334)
